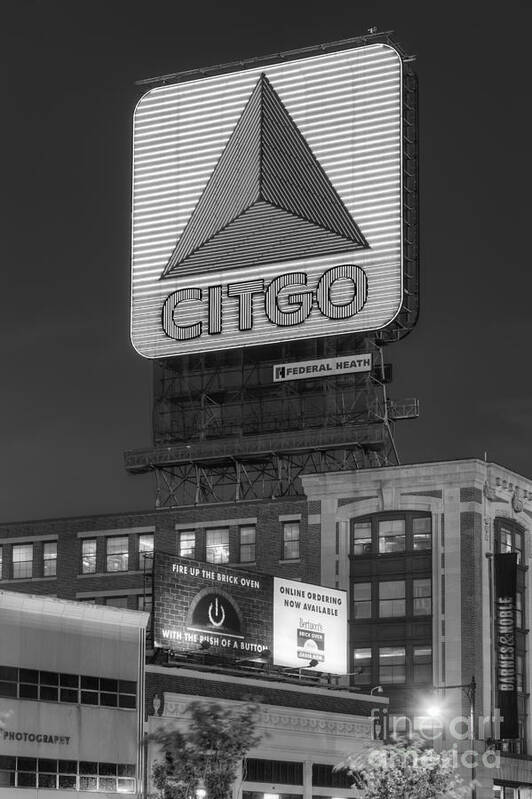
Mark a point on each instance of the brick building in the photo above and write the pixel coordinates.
(413, 546)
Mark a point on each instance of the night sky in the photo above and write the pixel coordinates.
(75, 394)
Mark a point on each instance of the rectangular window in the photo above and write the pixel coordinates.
(391, 535)
(392, 661)
(362, 666)
(362, 600)
(362, 538)
(422, 659)
(187, 544)
(88, 556)
(22, 561)
(392, 598)
(422, 591)
(510, 541)
(290, 540)
(146, 552)
(519, 672)
(519, 610)
(50, 559)
(422, 532)
(117, 553)
(247, 544)
(217, 545)
(116, 601)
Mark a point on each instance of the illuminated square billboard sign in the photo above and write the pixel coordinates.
(267, 204)
(240, 614)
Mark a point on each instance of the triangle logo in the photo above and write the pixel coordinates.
(268, 199)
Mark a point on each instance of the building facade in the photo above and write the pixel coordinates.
(71, 697)
(413, 545)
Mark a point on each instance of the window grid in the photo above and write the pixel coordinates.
(380, 534)
(290, 540)
(88, 556)
(247, 544)
(422, 664)
(32, 772)
(422, 597)
(217, 545)
(392, 665)
(51, 686)
(117, 553)
(145, 549)
(22, 556)
(187, 544)
(392, 598)
(363, 666)
(362, 601)
(50, 559)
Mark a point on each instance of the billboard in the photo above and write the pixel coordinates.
(240, 614)
(310, 625)
(267, 204)
(505, 574)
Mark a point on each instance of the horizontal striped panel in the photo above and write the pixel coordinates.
(348, 107)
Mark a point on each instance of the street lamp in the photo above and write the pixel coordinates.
(378, 688)
(434, 710)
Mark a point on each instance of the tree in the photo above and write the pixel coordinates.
(404, 769)
(207, 753)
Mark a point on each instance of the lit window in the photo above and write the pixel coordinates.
(422, 532)
(247, 544)
(217, 545)
(362, 538)
(117, 554)
(519, 610)
(187, 544)
(50, 559)
(392, 664)
(146, 552)
(88, 556)
(290, 540)
(391, 535)
(362, 666)
(510, 541)
(362, 600)
(422, 590)
(392, 598)
(422, 657)
(22, 561)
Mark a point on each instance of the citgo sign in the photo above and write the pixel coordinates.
(267, 204)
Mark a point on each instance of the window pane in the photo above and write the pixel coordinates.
(290, 540)
(362, 600)
(422, 590)
(116, 601)
(247, 544)
(117, 554)
(392, 598)
(392, 664)
(422, 532)
(217, 545)
(88, 556)
(422, 664)
(22, 561)
(187, 544)
(362, 667)
(50, 559)
(391, 535)
(362, 538)
(146, 552)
